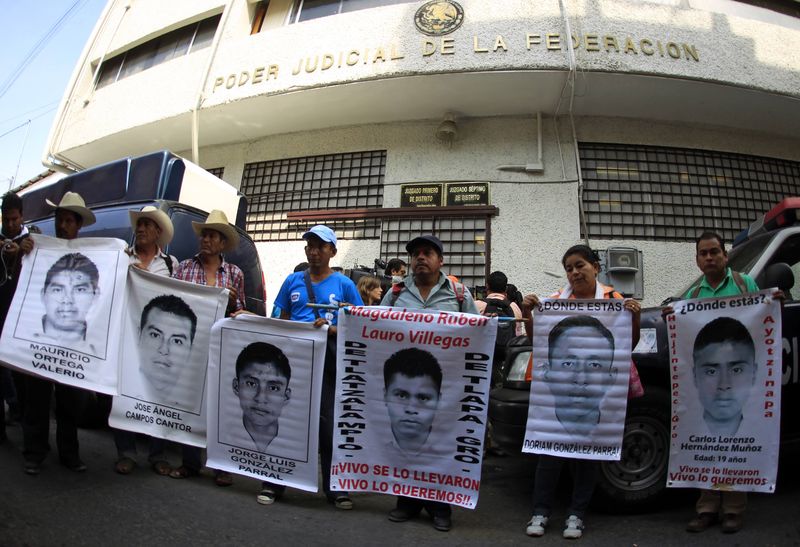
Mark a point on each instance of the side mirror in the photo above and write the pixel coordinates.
(778, 275)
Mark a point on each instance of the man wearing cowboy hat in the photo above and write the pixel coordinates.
(153, 231)
(71, 214)
(209, 267)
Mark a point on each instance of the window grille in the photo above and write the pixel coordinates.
(464, 240)
(333, 181)
(673, 194)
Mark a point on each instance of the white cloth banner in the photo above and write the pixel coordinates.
(165, 357)
(64, 323)
(264, 385)
(725, 370)
(579, 387)
(411, 401)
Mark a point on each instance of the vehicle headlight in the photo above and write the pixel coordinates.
(519, 367)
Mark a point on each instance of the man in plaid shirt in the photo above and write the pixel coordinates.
(209, 267)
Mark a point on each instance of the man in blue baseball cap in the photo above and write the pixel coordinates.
(321, 285)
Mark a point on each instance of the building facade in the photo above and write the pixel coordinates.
(512, 129)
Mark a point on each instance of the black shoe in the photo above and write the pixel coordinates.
(33, 468)
(442, 523)
(401, 515)
(732, 523)
(701, 522)
(74, 465)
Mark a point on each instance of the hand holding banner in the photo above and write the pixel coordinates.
(265, 379)
(412, 394)
(581, 366)
(64, 323)
(726, 392)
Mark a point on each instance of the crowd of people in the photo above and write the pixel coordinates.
(419, 284)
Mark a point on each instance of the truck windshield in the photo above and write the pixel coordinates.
(741, 259)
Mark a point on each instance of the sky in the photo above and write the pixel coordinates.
(32, 89)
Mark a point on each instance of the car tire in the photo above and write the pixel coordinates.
(638, 480)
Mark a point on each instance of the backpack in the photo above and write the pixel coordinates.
(505, 329)
(458, 290)
(738, 280)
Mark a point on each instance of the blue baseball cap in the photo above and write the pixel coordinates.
(323, 232)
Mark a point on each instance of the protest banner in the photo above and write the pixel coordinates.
(65, 320)
(725, 376)
(579, 387)
(264, 385)
(164, 357)
(411, 400)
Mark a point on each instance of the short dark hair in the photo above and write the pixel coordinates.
(73, 262)
(577, 321)
(11, 202)
(412, 362)
(394, 264)
(303, 266)
(709, 235)
(170, 303)
(497, 282)
(723, 329)
(261, 352)
(585, 251)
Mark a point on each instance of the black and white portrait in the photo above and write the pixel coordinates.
(265, 393)
(64, 304)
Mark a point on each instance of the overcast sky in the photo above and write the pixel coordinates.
(32, 89)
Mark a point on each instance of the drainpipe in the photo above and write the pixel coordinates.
(571, 82)
(200, 92)
(54, 160)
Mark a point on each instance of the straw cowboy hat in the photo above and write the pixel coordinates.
(72, 201)
(218, 221)
(160, 218)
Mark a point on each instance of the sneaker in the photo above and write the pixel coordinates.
(536, 526)
(343, 502)
(574, 528)
(267, 496)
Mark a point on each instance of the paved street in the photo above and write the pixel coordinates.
(102, 508)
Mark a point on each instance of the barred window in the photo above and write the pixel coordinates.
(217, 171)
(333, 181)
(464, 240)
(659, 193)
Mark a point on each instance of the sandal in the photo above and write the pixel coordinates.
(183, 472)
(125, 466)
(222, 478)
(161, 468)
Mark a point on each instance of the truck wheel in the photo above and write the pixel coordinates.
(639, 479)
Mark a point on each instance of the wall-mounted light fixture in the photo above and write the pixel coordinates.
(447, 131)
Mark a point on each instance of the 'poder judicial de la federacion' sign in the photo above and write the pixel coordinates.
(462, 193)
(421, 195)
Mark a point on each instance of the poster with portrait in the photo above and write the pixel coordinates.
(164, 358)
(725, 371)
(411, 399)
(64, 323)
(264, 385)
(579, 387)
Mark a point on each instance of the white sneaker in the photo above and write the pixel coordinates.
(574, 528)
(536, 526)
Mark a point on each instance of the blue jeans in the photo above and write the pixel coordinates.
(548, 470)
